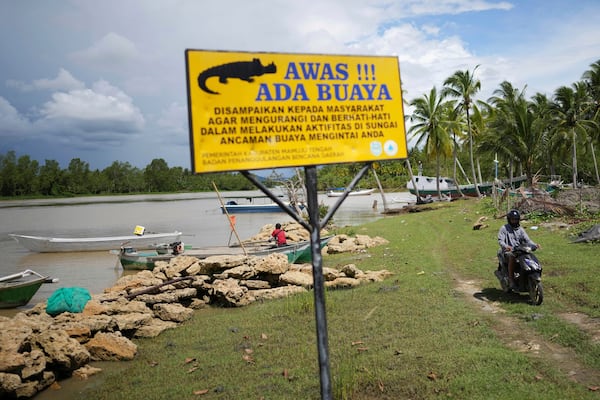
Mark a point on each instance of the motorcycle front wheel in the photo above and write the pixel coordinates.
(536, 292)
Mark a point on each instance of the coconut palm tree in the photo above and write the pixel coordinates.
(570, 106)
(455, 125)
(540, 105)
(489, 141)
(518, 128)
(429, 124)
(463, 85)
(591, 78)
(479, 120)
(499, 138)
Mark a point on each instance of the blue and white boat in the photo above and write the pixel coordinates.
(249, 205)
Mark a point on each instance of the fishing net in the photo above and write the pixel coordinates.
(69, 299)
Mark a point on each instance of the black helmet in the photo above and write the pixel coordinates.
(513, 218)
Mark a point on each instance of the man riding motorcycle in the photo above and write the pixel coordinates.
(509, 236)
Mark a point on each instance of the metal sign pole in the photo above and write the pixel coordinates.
(314, 227)
(318, 281)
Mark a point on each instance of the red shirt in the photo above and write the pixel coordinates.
(279, 234)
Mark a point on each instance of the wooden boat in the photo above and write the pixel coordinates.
(305, 256)
(428, 187)
(43, 244)
(291, 250)
(338, 192)
(17, 289)
(131, 259)
(233, 207)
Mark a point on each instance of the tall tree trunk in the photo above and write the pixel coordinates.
(595, 163)
(471, 152)
(574, 159)
(460, 193)
(437, 175)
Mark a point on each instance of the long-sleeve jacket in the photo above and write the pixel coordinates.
(509, 236)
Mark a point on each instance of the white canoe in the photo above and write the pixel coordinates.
(58, 244)
(364, 192)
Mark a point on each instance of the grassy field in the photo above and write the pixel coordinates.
(413, 336)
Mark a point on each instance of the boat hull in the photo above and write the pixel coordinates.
(254, 208)
(292, 251)
(453, 193)
(134, 261)
(42, 244)
(251, 208)
(18, 293)
(306, 255)
(428, 186)
(336, 193)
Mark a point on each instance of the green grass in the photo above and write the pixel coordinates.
(413, 336)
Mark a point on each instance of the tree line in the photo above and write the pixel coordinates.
(22, 176)
(539, 135)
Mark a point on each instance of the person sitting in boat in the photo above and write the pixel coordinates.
(279, 235)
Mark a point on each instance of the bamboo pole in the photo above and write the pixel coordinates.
(385, 207)
(231, 224)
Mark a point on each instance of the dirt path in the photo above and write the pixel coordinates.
(512, 331)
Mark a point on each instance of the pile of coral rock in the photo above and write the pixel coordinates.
(37, 350)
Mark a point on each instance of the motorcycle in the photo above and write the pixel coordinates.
(527, 274)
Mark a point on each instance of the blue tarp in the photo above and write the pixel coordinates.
(70, 299)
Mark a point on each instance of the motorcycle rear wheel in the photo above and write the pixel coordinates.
(536, 292)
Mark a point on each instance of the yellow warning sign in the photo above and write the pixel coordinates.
(271, 110)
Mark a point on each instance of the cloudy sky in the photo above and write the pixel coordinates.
(105, 81)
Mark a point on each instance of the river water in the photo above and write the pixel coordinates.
(197, 215)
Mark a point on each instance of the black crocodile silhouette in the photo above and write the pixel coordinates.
(243, 70)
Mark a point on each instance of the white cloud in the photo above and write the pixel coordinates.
(101, 113)
(433, 7)
(111, 51)
(63, 81)
(11, 122)
(425, 59)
